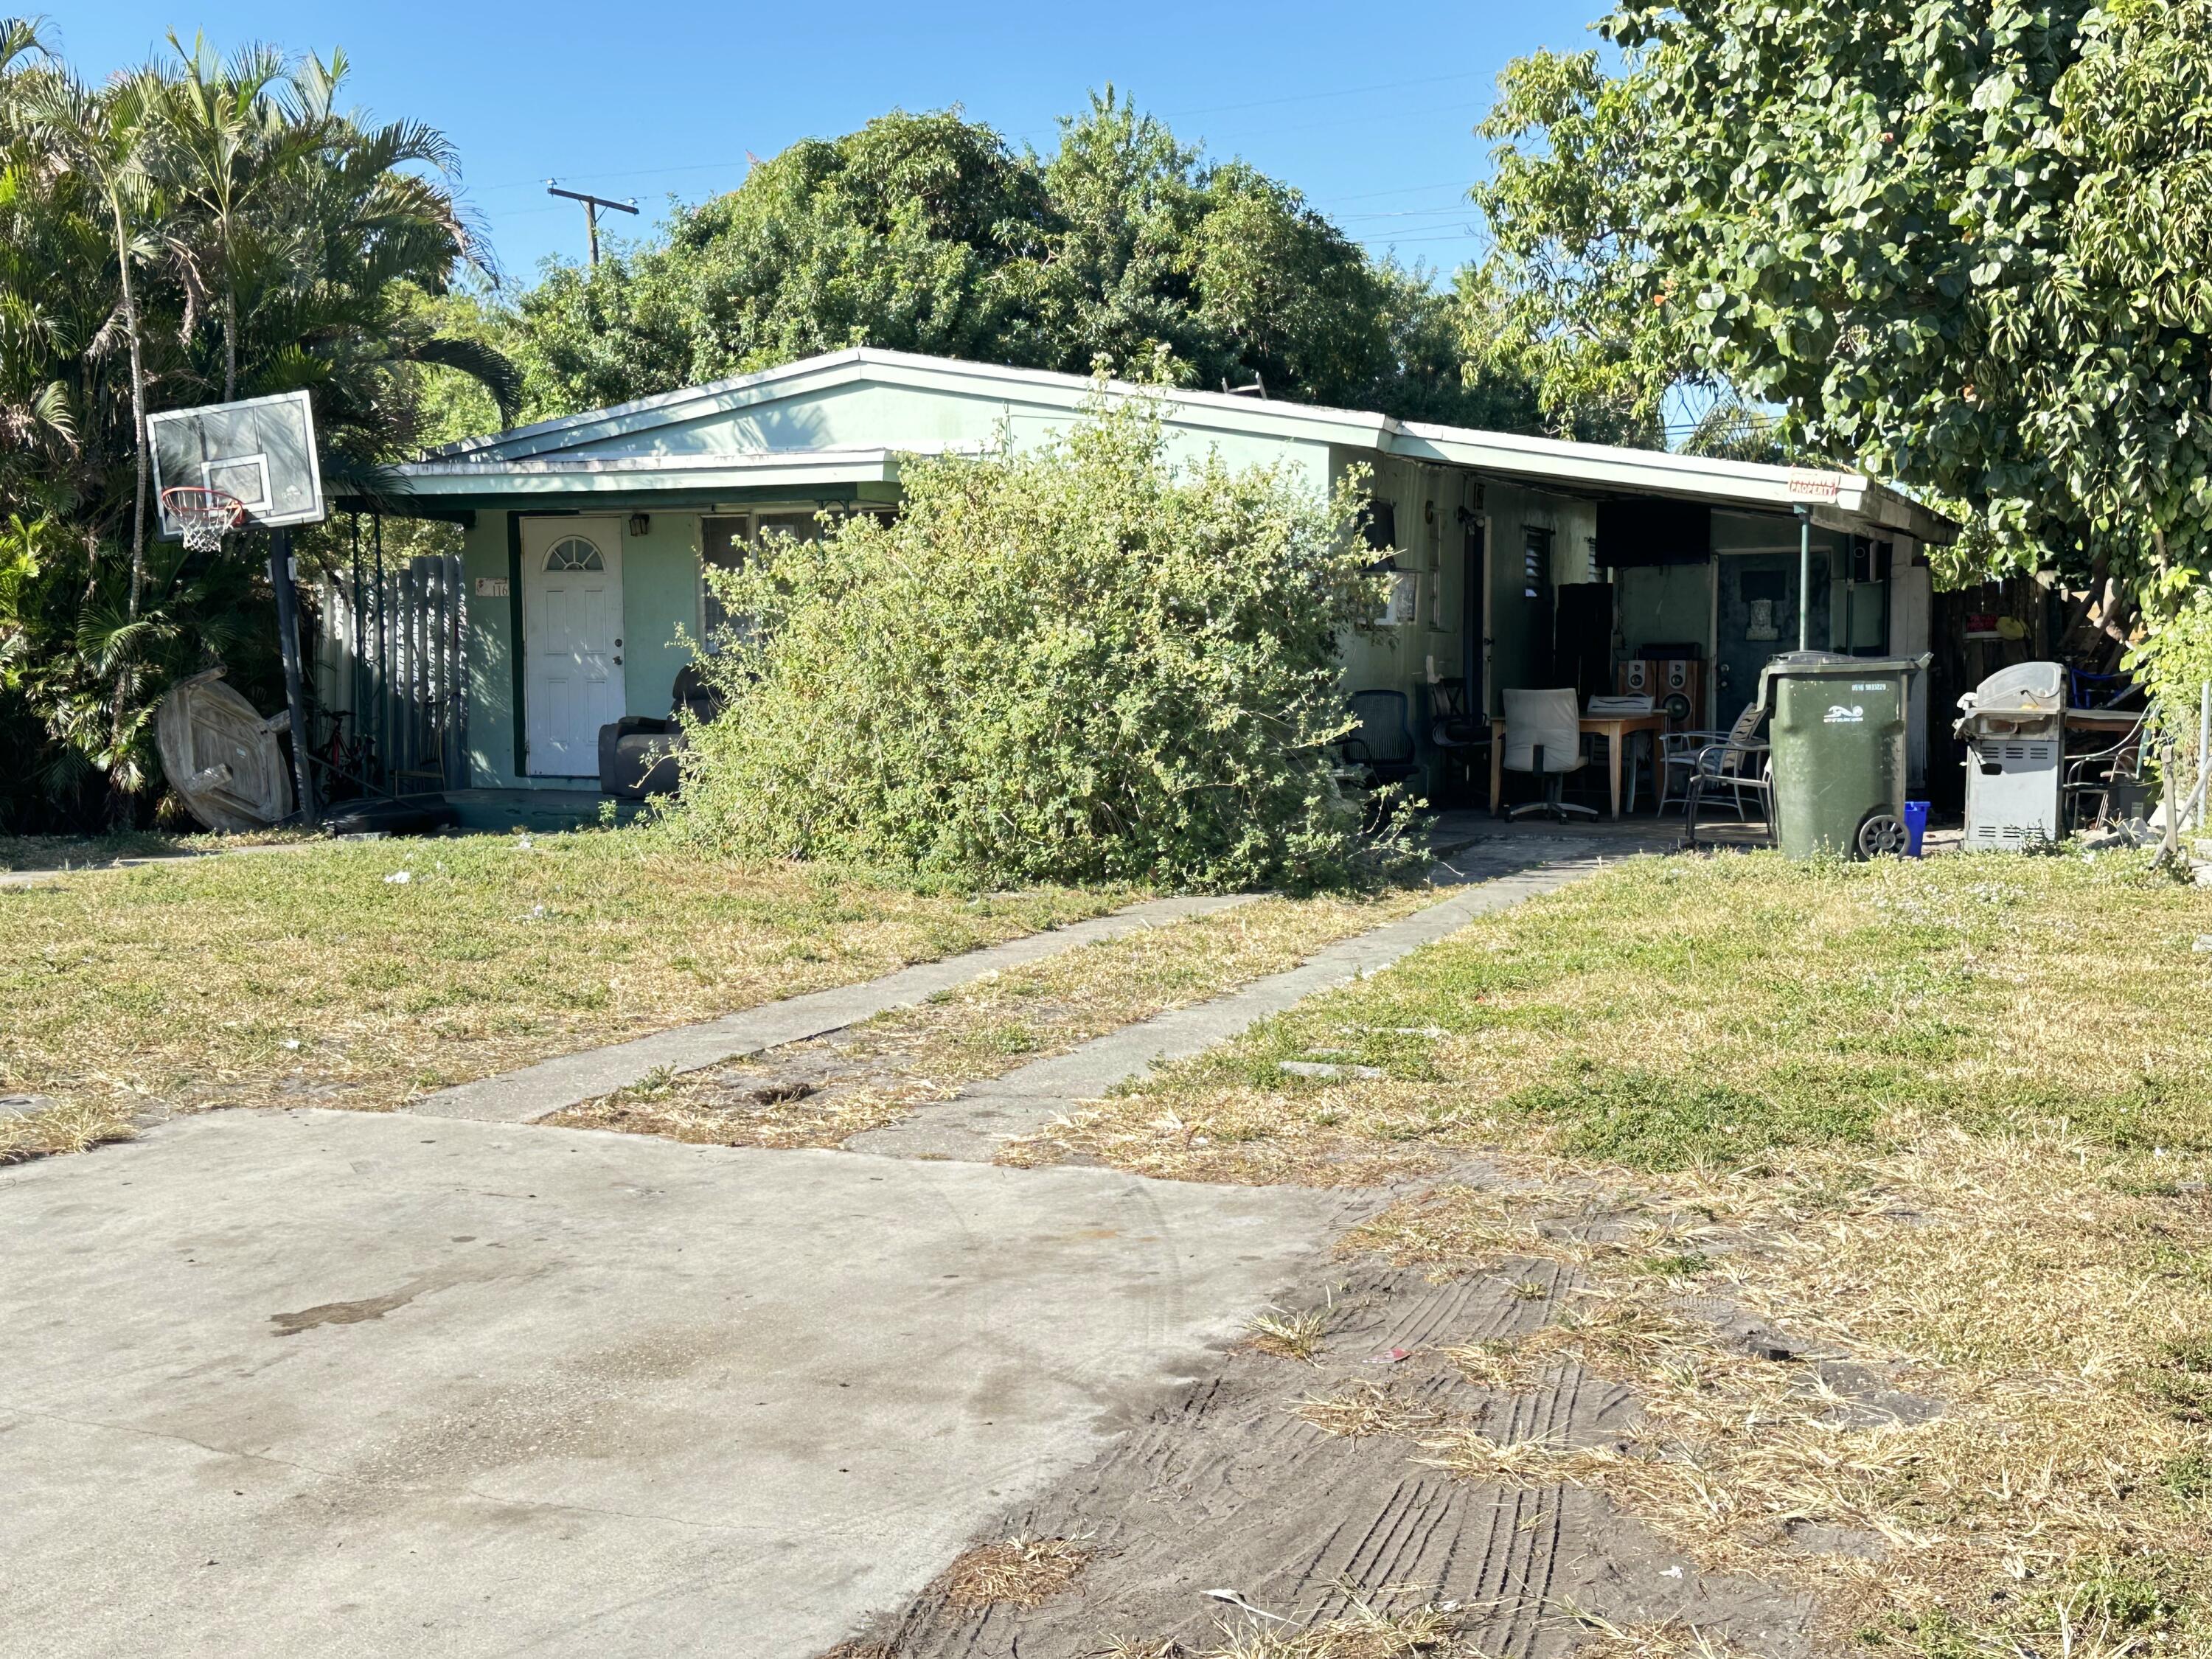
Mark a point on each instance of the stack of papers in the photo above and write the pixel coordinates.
(1612, 708)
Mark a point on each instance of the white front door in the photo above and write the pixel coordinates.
(572, 635)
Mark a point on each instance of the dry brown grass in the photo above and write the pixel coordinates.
(2024, 1287)
(727, 1107)
(310, 978)
(1287, 1335)
(70, 1127)
(1367, 1408)
(875, 1072)
(1364, 1633)
(1673, 1638)
(1016, 1572)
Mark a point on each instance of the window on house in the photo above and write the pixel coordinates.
(1536, 561)
(800, 526)
(722, 546)
(575, 554)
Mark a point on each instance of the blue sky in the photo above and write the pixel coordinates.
(1366, 108)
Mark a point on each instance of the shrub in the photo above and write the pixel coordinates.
(1073, 663)
(2173, 663)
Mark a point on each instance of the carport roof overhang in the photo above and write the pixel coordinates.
(1840, 500)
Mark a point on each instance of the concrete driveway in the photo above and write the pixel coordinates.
(331, 1383)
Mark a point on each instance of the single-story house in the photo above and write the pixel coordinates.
(1521, 561)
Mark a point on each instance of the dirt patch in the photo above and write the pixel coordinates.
(1274, 1509)
(820, 1093)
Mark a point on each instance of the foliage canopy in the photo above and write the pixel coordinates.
(1967, 247)
(927, 233)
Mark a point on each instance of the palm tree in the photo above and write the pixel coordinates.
(107, 137)
(223, 143)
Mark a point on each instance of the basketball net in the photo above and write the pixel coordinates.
(203, 517)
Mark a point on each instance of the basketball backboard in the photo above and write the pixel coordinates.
(261, 450)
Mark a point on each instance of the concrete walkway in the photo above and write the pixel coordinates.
(1491, 876)
(553, 1085)
(352, 1384)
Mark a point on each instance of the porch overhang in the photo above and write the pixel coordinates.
(439, 486)
(1848, 501)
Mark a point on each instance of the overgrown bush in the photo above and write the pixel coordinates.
(1075, 663)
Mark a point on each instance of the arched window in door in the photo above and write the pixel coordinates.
(574, 553)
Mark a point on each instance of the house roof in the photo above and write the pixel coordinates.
(553, 457)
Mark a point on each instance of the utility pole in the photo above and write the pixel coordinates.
(592, 206)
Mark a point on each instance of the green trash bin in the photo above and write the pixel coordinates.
(1837, 728)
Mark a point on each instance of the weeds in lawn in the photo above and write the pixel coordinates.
(1674, 1014)
(1016, 1572)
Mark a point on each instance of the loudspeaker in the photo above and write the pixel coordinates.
(1676, 686)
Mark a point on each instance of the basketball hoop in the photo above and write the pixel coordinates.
(203, 517)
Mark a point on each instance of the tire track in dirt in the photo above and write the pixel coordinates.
(1223, 1488)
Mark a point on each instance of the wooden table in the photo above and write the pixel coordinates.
(1615, 729)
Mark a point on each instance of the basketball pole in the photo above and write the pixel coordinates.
(288, 640)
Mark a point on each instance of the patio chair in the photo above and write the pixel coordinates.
(2104, 774)
(1544, 735)
(1380, 748)
(1742, 765)
(2088, 690)
(1681, 752)
(1458, 736)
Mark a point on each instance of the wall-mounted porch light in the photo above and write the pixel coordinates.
(639, 523)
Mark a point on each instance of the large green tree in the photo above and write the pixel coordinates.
(1968, 245)
(928, 233)
(1570, 295)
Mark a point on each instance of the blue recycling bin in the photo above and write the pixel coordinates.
(1915, 825)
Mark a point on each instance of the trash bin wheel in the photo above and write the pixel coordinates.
(1882, 834)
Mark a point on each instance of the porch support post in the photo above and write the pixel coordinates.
(1804, 578)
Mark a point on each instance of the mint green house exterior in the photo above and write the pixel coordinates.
(585, 539)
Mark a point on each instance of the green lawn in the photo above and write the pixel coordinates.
(1678, 1012)
(360, 974)
(1950, 1121)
